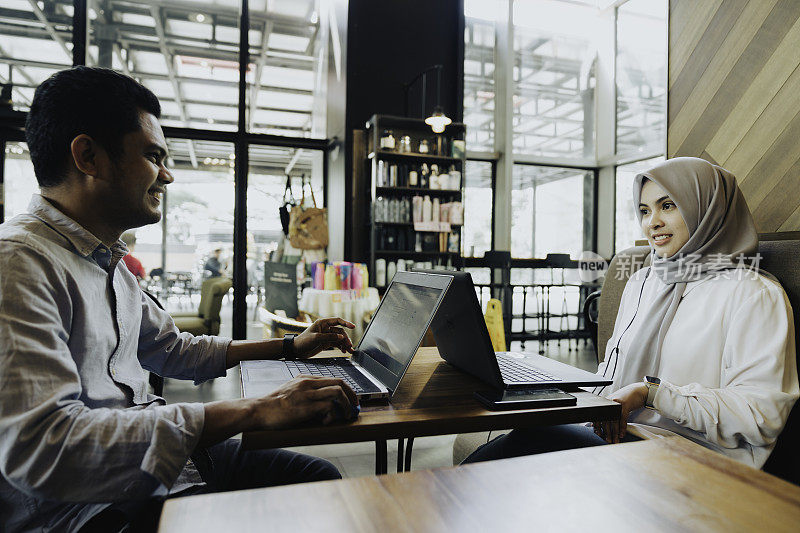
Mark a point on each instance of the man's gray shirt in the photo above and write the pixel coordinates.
(78, 427)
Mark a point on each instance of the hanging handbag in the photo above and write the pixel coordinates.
(308, 226)
(283, 211)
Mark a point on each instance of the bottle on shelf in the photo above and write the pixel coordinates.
(392, 175)
(380, 272)
(377, 208)
(416, 208)
(434, 181)
(453, 242)
(382, 175)
(441, 145)
(387, 140)
(444, 212)
(456, 213)
(435, 212)
(454, 178)
(423, 176)
(427, 209)
(424, 148)
(412, 178)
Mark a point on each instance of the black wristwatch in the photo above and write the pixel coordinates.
(652, 383)
(288, 346)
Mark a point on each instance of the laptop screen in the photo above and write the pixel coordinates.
(399, 324)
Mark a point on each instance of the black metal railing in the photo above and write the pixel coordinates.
(541, 299)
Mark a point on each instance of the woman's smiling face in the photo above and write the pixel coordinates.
(662, 223)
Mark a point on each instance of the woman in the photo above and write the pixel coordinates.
(703, 344)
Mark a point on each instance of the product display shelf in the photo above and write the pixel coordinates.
(395, 168)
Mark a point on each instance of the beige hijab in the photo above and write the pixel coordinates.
(721, 236)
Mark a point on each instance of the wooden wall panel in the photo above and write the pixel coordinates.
(734, 98)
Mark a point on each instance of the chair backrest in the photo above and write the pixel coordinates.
(779, 257)
(779, 253)
(622, 266)
(212, 291)
(205, 295)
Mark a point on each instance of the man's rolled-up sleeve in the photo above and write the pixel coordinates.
(52, 445)
(170, 353)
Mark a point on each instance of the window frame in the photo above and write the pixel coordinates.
(12, 130)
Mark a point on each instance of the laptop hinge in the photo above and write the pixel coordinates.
(375, 381)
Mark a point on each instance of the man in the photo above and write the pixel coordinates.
(133, 264)
(213, 264)
(82, 443)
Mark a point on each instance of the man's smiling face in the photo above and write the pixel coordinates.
(140, 175)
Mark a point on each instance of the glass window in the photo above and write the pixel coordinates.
(477, 208)
(641, 76)
(35, 43)
(198, 221)
(554, 79)
(287, 80)
(187, 54)
(626, 225)
(479, 48)
(19, 180)
(548, 211)
(266, 180)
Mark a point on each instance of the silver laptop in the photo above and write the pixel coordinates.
(384, 353)
(463, 341)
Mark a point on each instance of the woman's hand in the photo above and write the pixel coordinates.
(324, 334)
(631, 398)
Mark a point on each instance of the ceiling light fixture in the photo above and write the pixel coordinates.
(437, 120)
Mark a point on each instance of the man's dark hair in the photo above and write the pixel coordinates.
(98, 102)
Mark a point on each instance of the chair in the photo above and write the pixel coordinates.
(276, 326)
(206, 320)
(779, 254)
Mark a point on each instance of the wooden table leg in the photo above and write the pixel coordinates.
(381, 457)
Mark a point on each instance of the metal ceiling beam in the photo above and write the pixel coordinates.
(155, 12)
(233, 105)
(31, 82)
(49, 28)
(256, 87)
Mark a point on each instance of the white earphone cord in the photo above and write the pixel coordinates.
(616, 348)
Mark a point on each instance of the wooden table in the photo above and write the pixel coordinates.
(433, 398)
(656, 485)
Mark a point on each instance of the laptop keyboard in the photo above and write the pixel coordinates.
(331, 368)
(514, 372)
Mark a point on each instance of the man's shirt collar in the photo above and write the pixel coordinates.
(84, 242)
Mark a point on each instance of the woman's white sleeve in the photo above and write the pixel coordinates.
(758, 383)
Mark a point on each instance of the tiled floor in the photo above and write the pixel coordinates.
(358, 459)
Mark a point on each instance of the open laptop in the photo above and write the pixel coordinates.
(463, 340)
(384, 353)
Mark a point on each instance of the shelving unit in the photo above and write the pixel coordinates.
(401, 234)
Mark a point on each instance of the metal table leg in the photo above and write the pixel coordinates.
(400, 455)
(381, 457)
(407, 466)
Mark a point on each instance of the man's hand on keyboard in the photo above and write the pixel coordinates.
(302, 399)
(324, 334)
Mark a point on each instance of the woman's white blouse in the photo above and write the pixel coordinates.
(728, 368)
